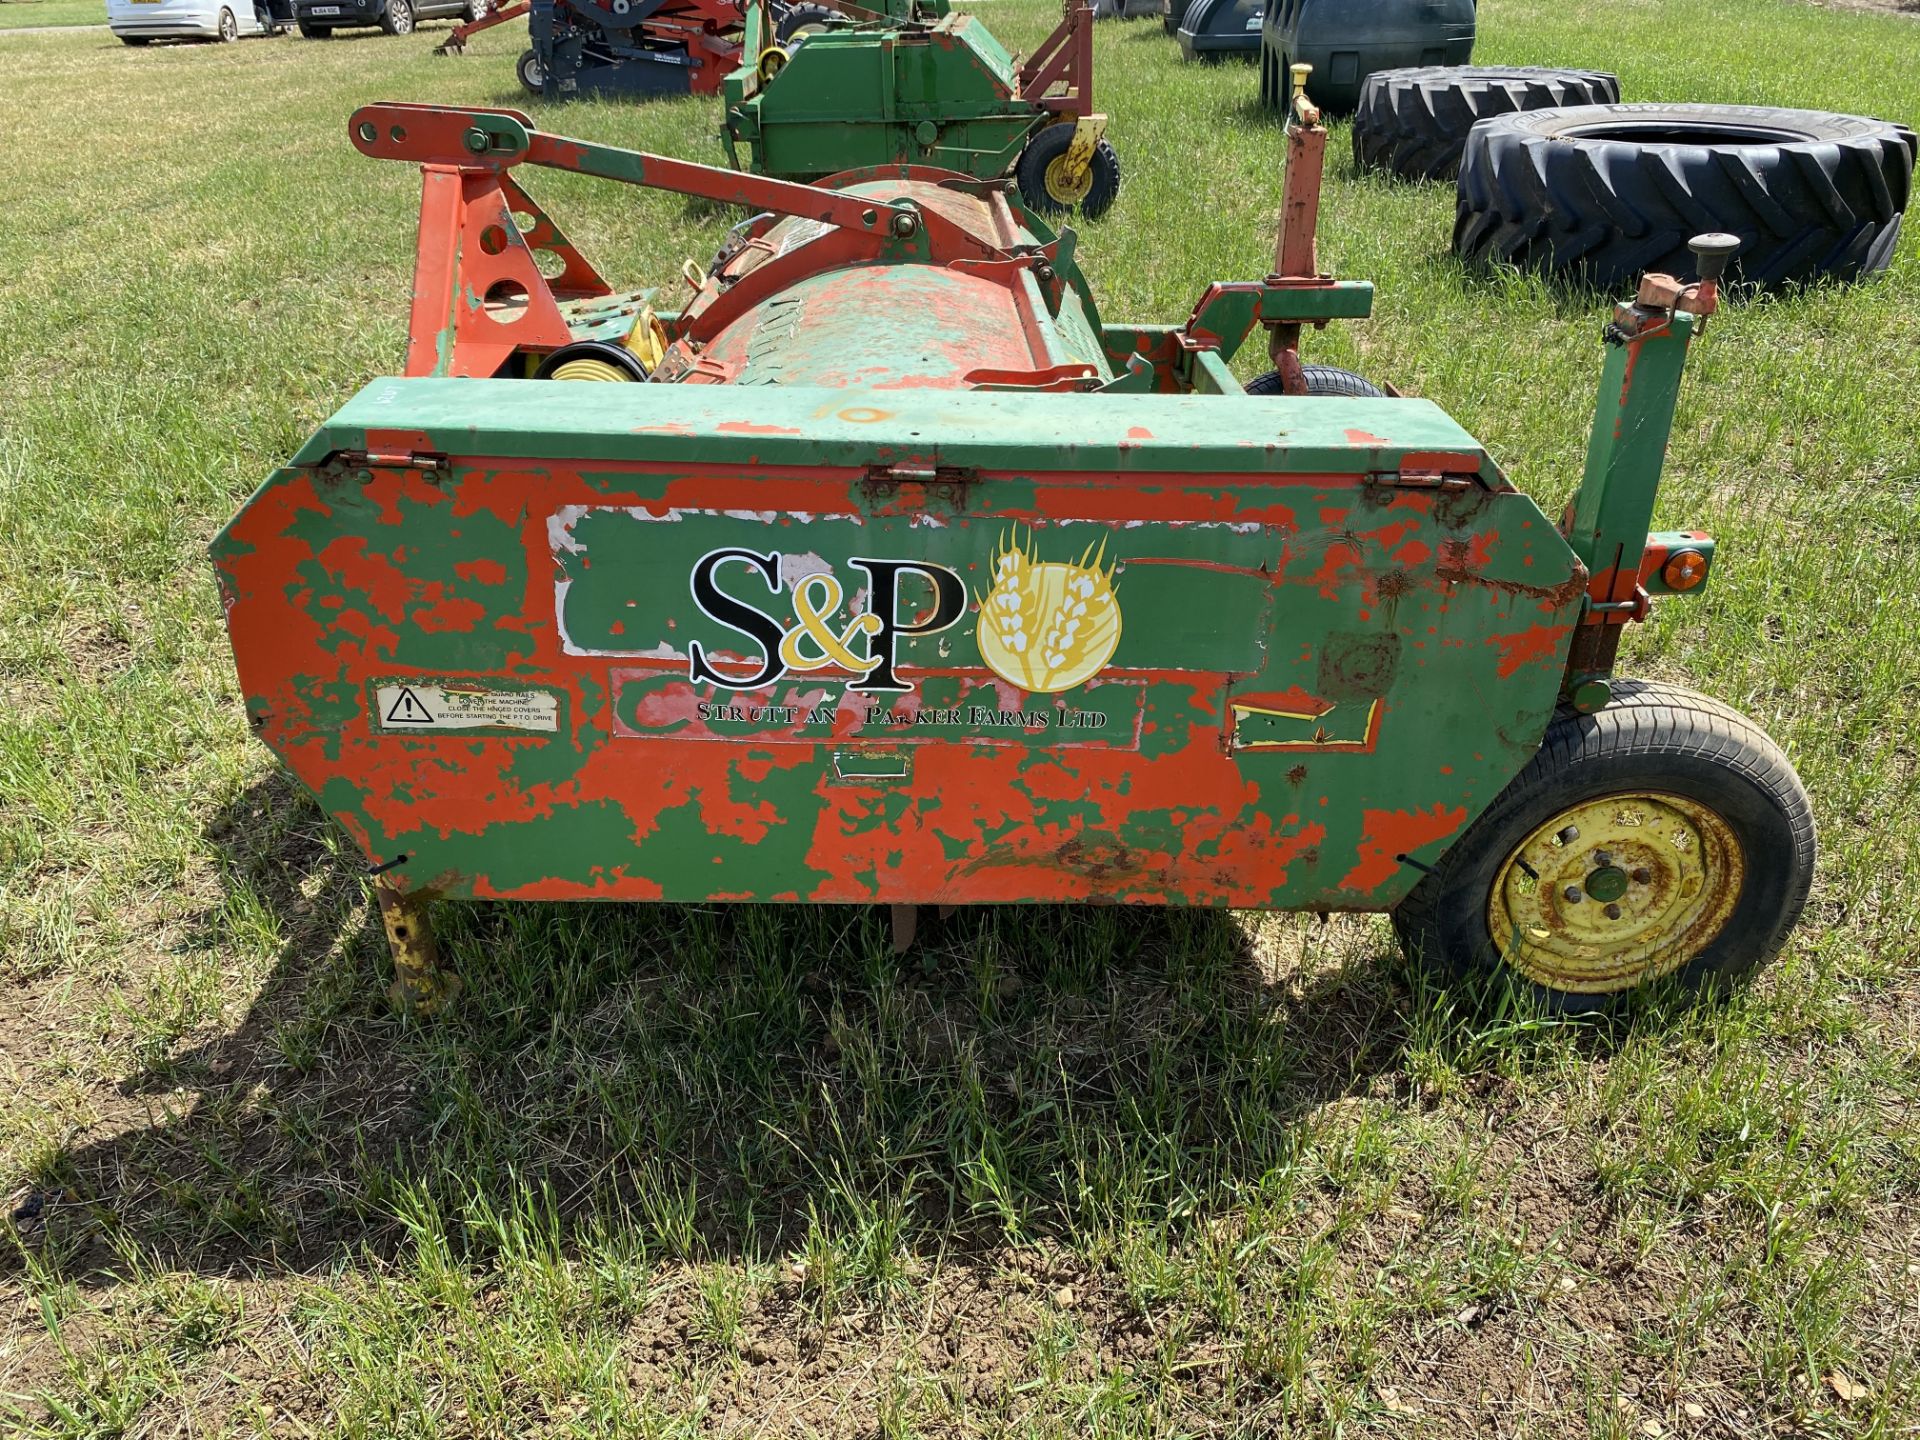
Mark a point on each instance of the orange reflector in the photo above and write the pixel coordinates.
(1684, 569)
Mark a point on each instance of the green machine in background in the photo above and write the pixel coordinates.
(918, 85)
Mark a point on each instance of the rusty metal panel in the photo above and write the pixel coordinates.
(1156, 648)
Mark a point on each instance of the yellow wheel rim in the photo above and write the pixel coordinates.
(1615, 891)
(1061, 185)
(588, 368)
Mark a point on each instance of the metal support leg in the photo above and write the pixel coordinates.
(419, 983)
(906, 920)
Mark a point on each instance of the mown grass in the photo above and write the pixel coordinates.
(679, 1171)
(37, 14)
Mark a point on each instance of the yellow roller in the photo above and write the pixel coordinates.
(587, 368)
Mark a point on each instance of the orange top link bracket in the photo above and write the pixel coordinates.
(1296, 256)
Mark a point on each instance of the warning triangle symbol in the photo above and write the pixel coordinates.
(408, 709)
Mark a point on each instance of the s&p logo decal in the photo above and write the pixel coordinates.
(1045, 625)
(817, 639)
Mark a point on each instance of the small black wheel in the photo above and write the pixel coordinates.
(1321, 380)
(1045, 186)
(229, 27)
(136, 39)
(532, 75)
(397, 19)
(315, 32)
(801, 20)
(1663, 837)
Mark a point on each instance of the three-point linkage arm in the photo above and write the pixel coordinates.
(497, 140)
(479, 296)
(456, 41)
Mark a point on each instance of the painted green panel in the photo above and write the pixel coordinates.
(452, 570)
(1314, 670)
(806, 425)
(1194, 596)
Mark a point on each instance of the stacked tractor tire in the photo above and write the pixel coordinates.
(1414, 123)
(1601, 193)
(1554, 174)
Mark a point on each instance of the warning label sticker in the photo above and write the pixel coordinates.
(416, 706)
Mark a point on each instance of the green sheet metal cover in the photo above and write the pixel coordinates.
(1302, 663)
(807, 425)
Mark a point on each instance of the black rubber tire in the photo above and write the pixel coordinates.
(1413, 123)
(397, 18)
(228, 28)
(1605, 193)
(1650, 737)
(527, 70)
(1030, 174)
(799, 17)
(1322, 380)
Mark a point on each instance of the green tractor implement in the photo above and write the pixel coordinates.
(924, 87)
(638, 48)
(882, 569)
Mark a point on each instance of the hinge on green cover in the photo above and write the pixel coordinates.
(1422, 477)
(360, 464)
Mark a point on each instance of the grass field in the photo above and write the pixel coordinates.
(740, 1171)
(37, 14)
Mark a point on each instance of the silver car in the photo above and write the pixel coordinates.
(137, 22)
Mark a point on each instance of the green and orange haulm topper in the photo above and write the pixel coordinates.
(884, 570)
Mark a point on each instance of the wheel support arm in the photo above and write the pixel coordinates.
(1608, 522)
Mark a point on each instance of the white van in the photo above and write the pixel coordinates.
(138, 21)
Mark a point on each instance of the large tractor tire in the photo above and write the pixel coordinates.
(1414, 123)
(1662, 838)
(1604, 193)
